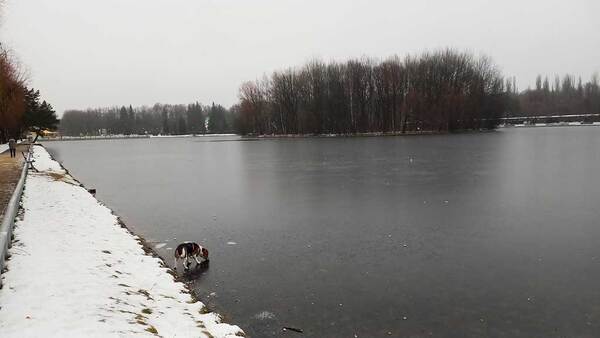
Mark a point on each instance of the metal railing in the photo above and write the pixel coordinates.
(8, 221)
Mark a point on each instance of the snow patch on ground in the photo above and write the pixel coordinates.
(3, 148)
(43, 162)
(75, 272)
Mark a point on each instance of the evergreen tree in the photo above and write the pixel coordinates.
(38, 116)
(216, 119)
(181, 126)
(165, 122)
(130, 121)
(195, 118)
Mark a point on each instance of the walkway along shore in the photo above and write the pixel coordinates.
(76, 272)
(10, 172)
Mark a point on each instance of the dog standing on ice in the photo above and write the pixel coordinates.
(188, 250)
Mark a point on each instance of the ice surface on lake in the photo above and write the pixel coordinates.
(264, 315)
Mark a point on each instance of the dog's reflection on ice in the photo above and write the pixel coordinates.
(196, 272)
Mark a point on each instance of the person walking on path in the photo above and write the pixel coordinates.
(12, 146)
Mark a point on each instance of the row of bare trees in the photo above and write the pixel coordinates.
(12, 97)
(163, 119)
(20, 107)
(562, 96)
(441, 91)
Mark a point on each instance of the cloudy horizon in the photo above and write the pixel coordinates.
(120, 52)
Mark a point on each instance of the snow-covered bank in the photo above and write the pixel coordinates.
(191, 135)
(557, 124)
(75, 272)
(121, 136)
(3, 147)
(365, 134)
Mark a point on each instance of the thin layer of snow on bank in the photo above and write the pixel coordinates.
(44, 163)
(191, 135)
(75, 272)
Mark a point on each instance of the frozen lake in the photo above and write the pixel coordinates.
(470, 235)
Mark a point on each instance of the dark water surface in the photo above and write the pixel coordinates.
(472, 235)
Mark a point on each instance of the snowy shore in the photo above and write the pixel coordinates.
(75, 272)
(132, 136)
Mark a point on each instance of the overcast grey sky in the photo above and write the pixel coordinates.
(84, 53)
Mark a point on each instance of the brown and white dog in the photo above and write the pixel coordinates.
(187, 250)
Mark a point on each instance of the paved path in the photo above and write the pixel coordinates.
(10, 172)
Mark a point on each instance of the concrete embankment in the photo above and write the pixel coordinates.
(76, 272)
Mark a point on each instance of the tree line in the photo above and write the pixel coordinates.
(561, 96)
(20, 106)
(441, 91)
(12, 97)
(162, 119)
